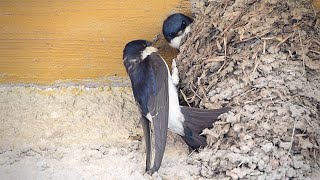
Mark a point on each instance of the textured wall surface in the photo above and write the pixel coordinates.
(45, 41)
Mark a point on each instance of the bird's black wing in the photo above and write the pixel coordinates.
(158, 105)
(147, 136)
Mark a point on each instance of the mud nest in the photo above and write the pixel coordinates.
(262, 58)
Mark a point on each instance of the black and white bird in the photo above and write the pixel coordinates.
(175, 28)
(155, 93)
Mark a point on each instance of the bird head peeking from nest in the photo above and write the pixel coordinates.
(175, 28)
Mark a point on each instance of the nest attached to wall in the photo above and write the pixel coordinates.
(262, 58)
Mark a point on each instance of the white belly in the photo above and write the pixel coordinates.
(176, 118)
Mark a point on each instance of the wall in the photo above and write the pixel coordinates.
(45, 41)
(316, 4)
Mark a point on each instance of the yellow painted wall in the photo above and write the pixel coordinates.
(42, 41)
(316, 4)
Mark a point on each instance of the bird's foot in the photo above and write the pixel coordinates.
(153, 174)
(175, 73)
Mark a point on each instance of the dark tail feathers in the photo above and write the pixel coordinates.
(197, 120)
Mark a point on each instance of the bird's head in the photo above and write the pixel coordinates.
(175, 28)
(135, 52)
(138, 50)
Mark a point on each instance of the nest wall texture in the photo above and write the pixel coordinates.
(262, 58)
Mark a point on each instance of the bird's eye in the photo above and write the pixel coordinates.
(183, 22)
(171, 34)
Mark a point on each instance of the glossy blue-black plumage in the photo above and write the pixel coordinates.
(133, 49)
(173, 24)
(141, 73)
(149, 79)
(143, 85)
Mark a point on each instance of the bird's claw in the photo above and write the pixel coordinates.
(174, 64)
(175, 73)
(154, 174)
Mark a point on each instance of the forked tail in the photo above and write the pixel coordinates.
(197, 120)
